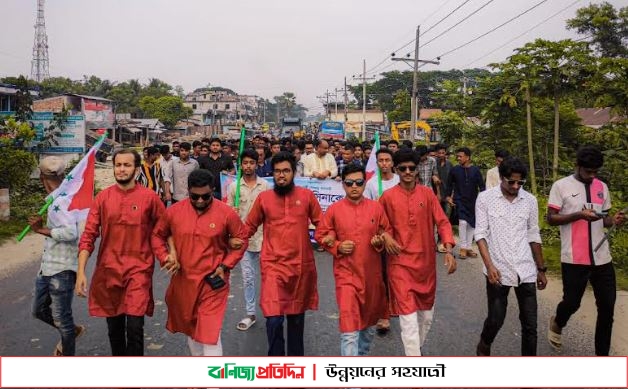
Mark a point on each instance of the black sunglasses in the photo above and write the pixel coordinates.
(512, 182)
(358, 182)
(195, 196)
(404, 169)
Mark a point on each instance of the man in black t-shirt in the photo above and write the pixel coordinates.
(216, 162)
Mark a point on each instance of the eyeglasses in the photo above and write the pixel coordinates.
(285, 172)
(404, 169)
(512, 182)
(358, 182)
(204, 196)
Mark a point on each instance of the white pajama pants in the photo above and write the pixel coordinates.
(466, 234)
(414, 329)
(198, 349)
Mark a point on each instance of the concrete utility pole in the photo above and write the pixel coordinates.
(336, 103)
(415, 83)
(364, 78)
(326, 103)
(346, 101)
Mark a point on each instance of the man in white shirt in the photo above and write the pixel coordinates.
(508, 237)
(389, 178)
(492, 175)
(165, 161)
(320, 164)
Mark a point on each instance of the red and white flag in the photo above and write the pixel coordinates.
(371, 164)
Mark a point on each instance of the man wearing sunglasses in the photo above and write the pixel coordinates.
(200, 228)
(507, 232)
(413, 211)
(287, 261)
(351, 231)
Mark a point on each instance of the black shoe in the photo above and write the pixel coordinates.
(483, 349)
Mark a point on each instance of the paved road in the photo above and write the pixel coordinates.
(460, 311)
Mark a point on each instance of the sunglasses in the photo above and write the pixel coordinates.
(512, 182)
(195, 197)
(358, 182)
(404, 169)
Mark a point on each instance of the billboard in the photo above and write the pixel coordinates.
(70, 140)
(332, 130)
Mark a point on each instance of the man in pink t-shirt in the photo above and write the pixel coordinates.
(579, 204)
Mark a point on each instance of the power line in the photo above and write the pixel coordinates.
(461, 21)
(493, 29)
(445, 17)
(522, 34)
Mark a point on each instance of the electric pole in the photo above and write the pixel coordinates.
(364, 78)
(346, 102)
(326, 103)
(415, 83)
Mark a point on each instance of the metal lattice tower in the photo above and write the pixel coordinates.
(39, 64)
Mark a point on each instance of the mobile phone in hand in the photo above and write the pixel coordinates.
(215, 282)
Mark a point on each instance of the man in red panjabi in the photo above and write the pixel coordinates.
(351, 231)
(200, 228)
(123, 215)
(413, 210)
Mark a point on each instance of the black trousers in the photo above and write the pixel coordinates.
(497, 298)
(602, 278)
(126, 335)
(274, 332)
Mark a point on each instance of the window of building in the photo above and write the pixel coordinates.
(215, 106)
(193, 106)
(226, 106)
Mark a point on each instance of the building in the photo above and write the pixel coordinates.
(597, 117)
(7, 97)
(98, 111)
(222, 107)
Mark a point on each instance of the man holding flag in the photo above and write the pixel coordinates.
(123, 215)
(54, 286)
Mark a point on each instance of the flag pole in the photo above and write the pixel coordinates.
(380, 189)
(50, 199)
(236, 202)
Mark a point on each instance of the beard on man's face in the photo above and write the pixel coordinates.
(125, 181)
(283, 190)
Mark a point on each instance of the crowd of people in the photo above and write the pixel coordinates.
(384, 237)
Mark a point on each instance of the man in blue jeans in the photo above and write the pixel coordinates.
(250, 187)
(54, 286)
(507, 232)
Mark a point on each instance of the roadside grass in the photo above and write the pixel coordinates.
(25, 202)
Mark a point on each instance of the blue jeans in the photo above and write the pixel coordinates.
(356, 343)
(53, 305)
(249, 264)
(274, 333)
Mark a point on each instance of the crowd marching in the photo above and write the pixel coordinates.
(384, 236)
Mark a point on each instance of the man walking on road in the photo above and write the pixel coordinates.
(507, 232)
(579, 204)
(200, 228)
(463, 185)
(413, 211)
(320, 164)
(123, 215)
(287, 261)
(176, 177)
(250, 187)
(351, 231)
(54, 286)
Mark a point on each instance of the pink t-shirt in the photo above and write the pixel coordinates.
(578, 239)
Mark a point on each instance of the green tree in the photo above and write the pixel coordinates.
(286, 102)
(402, 107)
(156, 88)
(23, 100)
(607, 28)
(168, 109)
(609, 85)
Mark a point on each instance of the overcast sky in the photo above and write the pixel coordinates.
(264, 47)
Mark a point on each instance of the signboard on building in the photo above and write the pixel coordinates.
(98, 114)
(70, 140)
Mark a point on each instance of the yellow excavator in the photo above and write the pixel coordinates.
(395, 127)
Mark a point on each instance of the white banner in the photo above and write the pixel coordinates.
(321, 372)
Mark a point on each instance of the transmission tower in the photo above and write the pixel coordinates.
(39, 64)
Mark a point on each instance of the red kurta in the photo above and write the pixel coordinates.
(412, 273)
(360, 290)
(286, 261)
(202, 243)
(122, 282)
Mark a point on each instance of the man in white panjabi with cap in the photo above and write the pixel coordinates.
(54, 285)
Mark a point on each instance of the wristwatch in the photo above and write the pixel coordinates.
(542, 269)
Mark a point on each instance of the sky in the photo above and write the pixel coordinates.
(267, 47)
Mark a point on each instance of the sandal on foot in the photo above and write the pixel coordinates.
(245, 323)
(554, 338)
(383, 326)
(79, 330)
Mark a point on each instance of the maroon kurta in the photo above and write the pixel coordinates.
(122, 282)
(412, 273)
(202, 243)
(360, 291)
(286, 261)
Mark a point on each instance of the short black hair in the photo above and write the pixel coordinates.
(406, 155)
(199, 178)
(589, 157)
(441, 146)
(152, 150)
(283, 156)
(349, 147)
(214, 140)
(196, 143)
(353, 168)
(512, 165)
(185, 146)
(393, 142)
(422, 150)
(385, 150)
(176, 142)
(465, 150)
(137, 159)
(164, 149)
(502, 154)
(249, 153)
(406, 142)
